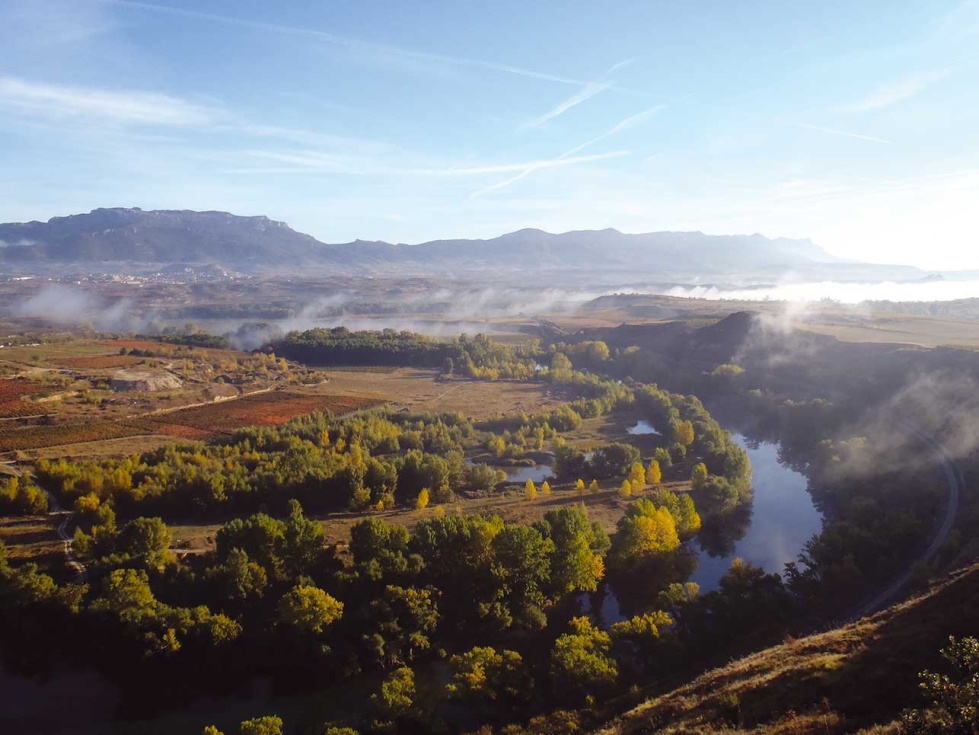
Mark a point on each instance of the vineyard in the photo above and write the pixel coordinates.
(99, 361)
(11, 404)
(198, 423)
(38, 437)
(131, 344)
(265, 409)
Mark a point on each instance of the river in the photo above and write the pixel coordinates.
(768, 532)
(782, 519)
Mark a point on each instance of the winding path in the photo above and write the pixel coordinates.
(63, 518)
(953, 477)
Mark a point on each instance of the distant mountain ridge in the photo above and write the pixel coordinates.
(121, 238)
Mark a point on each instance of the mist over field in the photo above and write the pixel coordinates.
(844, 293)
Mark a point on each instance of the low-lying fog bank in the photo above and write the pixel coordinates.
(843, 293)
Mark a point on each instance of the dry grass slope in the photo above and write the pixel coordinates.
(856, 677)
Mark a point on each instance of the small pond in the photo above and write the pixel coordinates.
(642, 428)
(537, 473)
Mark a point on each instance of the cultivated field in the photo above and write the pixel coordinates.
(32, 539)
(915, 330)
(196, 423)
(419, 390)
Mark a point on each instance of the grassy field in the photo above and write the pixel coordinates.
(419, 390)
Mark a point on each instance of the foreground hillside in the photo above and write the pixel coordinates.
(845, 680)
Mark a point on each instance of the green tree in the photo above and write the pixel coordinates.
(614, 460)
(662, 457)
(396, 698)
(644, 636)
(239, 578)
(698, 476)
(269, 725)
(260, 536)
(404, 620)
(147, 542)
(576, 562)
(522, 568)
(302, 542)
(491, 682)
(569, 461)
(380, 549)
(581, 662)
(309, 609)
(953, 698)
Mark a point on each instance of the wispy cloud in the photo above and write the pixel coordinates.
(585, 93)
(844, 133)
(312, 162)
(56, 101)
(107, 114)
(353, 44)
(893, 92)
(625, 124)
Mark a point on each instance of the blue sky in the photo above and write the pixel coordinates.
(854, 123)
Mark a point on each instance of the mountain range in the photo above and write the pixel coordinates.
(131, 239)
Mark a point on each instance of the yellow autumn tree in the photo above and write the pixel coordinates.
(637, 476)
(579, 487)
(683, 433)
(654, 475)
(422, 502)
(545, 489)
(644, 530)
(530, 490)
(625, 489)
(593, 486)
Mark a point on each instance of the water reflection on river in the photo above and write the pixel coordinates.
(782, 519)
(769, 532)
